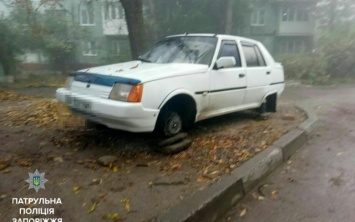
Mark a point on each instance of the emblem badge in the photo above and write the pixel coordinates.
(36, 180)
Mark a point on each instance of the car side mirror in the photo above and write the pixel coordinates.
(225, 62)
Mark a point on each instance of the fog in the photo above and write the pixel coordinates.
(42, 36)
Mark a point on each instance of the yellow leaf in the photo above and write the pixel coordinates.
(115, 169)
(58, 159)
(274, 194)
(114, 216)
(214, 172)
(76, 189)
(92, 208)
(201, 179)
(243, 212)
(7, 170)
(127, 207)
(261, 198)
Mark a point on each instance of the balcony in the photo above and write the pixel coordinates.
(296, 28)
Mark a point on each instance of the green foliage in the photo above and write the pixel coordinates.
(332, 60)
(58, 45)
(309, 68)
(9, 47)
(50, 33)
(198, 16)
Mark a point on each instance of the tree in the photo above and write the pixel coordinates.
(331, 13)
(135, 22)
(9, 47)
(49, 33)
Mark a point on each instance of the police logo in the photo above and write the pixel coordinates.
(36, 180)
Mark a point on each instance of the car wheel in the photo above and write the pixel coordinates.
(170, 122)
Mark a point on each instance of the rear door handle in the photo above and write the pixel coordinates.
(268, 73)
(241, 75)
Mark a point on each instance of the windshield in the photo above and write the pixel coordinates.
(183, 49)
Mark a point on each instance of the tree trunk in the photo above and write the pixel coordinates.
(153, 31)
(228, 25)
(136, 28)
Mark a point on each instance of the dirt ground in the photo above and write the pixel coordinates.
(35, 134)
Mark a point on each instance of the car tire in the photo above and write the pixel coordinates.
(170, 122)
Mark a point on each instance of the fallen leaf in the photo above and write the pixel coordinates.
(92, 208)
(115, 169)
(215, 172)
(115, 216)
(76, 189)
(25, 163)
(201, 180)
(58, 159)
(274, 194)
(243, 212)
(261, 198)
(127, 207)
(7, 170)
(150, 184)
(176, 166)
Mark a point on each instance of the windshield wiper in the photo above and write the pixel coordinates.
(144, 60)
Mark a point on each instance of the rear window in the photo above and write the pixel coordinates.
(253, 55)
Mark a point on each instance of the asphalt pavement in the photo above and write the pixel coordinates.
(318, 182)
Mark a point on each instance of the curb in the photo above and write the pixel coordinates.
(214, 201)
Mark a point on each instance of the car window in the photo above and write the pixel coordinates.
(182, 49)
(253, 55)
(260, 56)
(230, 48)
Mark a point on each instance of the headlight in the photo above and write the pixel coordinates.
(127, 93)
(68, 82)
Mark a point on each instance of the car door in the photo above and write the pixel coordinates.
(258, 74)
(227, 85)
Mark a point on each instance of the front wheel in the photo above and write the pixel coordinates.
(169, 122)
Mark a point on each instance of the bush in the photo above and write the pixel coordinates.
(332, 60)
(309, 68)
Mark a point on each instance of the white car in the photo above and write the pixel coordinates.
(182, 79)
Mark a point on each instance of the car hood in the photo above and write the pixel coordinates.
(145, 72)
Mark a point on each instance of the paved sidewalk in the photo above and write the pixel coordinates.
(318, 183)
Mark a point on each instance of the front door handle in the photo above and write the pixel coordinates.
(268, 73)
(241, 75)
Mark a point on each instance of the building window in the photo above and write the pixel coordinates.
(113, 10)
(115, 47)
(258, 17)
(290, 14)
(302, 15)
(87, 15)
(292, 46)
(90, 48)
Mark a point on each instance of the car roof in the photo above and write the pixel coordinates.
(221, 36)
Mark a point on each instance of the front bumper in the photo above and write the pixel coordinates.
(132, 117)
